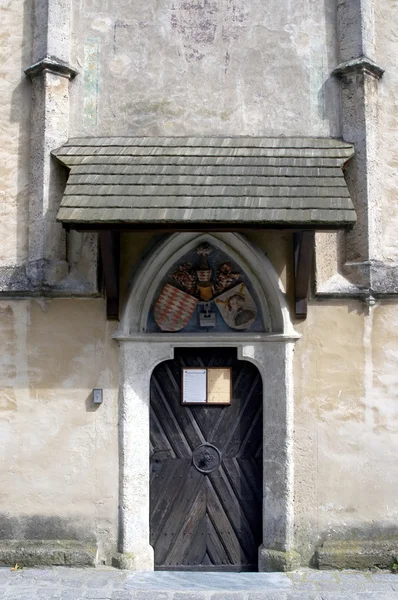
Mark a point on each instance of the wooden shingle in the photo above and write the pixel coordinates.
(154, 180)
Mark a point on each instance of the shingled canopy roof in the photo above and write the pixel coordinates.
(187, 182)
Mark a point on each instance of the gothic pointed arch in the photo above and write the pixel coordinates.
(263, 281)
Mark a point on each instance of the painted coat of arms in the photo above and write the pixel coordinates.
(204, 285)
(237, 307)
(174, 308)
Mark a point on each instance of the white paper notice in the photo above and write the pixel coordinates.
(194, 385)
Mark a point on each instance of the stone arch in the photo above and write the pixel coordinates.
(271, 352)
(256, 265)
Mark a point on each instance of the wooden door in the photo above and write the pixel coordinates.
(208, 516)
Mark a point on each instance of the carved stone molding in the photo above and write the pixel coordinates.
(359, 65)
(274, 361)
(140, 352)
(372, 278)
(51, 64)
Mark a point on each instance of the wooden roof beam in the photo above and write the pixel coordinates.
(304, 242)
(110, 256)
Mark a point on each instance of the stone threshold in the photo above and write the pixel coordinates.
(205, 581)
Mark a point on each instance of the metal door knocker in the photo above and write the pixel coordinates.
(206, 458)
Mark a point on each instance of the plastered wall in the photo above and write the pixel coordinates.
(59, 460)
(346, 423)
(387, 51)
(59, 452)
(185, 67)
(178, 68)
(15, 50)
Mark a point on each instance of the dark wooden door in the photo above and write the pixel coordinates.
(206, 520)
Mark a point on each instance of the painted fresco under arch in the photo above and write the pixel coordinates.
(206, 291)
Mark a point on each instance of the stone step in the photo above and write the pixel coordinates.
(37, 553)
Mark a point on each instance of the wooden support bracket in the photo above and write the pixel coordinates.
(110, 255)
(303, 256)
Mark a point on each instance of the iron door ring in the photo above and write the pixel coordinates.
(206, 458)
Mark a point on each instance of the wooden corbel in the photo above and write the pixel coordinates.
(110, 256)
(303, 256)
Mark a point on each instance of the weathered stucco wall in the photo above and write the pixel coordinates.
(223, 67)
(59, 453)
(346, 423)
(213, 67)
(15, 51)
(387, 52)
(59, 461)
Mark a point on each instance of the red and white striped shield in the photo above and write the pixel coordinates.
(174, 308)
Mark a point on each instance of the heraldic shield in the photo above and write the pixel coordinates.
(237, 307)
(174, 308)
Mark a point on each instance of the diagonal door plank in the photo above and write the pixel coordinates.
(216, 551)
(173, 537)
(215, 519)
(233, 511)
(222, 526)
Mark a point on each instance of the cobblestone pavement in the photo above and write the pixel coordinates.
(62, 583)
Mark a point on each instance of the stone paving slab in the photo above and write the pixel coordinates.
(199, 581)
(63, 583)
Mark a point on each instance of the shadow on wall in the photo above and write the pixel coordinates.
(23, 114)
(89, 403)
(40, 527)
(327, 95)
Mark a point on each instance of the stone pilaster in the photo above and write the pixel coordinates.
(273, 358)
(50, 74)
(137, 362)
(360, 267)
(48, 269)
(274, 361)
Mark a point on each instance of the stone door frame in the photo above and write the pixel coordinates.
(271, 353)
